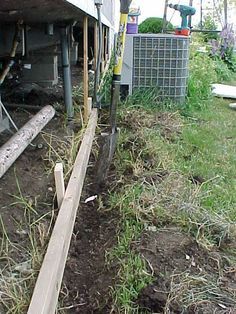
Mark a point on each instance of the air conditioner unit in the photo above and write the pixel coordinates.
(156, 60)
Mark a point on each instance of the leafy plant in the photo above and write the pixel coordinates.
(224, 47)
(209, 24)
(202, 75)
(153, 25)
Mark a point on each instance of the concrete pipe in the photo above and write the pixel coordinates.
(11, 150)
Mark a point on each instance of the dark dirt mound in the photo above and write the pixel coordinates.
(181, 267)
(87, 279)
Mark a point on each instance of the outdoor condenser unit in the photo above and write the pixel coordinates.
(159, 60)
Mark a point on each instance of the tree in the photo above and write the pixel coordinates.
(153, 25)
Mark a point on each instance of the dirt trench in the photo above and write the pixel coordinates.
(88, 281)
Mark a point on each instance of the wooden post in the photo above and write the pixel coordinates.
(85, 31)
(90, 104)
(59, 182)
(95, 44)
(47, 288)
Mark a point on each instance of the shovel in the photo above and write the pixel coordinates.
(108, 140)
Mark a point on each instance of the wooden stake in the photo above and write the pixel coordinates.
(90, 104)
(86, 116)
(47, 288)
(59, 182)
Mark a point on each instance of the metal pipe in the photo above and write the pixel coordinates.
(164, 26)
(11, 150)
(66, 73)
(199, 31)
(21, 106)
(204, 31)
(8, 115)
(226, 12)
(190, 16)
(201, 15)
(26, 41)
(98, 59)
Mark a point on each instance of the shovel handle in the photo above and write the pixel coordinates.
(119, 53)
(120, 44)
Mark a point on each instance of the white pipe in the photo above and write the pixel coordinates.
(11, 150)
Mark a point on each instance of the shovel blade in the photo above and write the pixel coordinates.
(105, 156)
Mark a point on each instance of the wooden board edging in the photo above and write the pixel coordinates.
(47, 288)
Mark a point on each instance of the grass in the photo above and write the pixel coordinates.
(21, 255)
(20, 263)
(177, 167)
(61, 150)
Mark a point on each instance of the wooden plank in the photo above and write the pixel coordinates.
(46, 291)
(59, 182)
(85, 31)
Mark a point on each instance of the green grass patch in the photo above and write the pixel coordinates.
(160, 158)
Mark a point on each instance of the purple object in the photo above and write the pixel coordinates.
(132, 28)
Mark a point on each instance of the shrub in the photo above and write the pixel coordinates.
(153, 25)
(209, 24)
(202, 75)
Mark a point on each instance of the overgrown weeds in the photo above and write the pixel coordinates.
(61, 150)
(20, 262)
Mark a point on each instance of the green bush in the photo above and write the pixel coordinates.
(153, 25)
(209, 24)
(201, 75)
(222, 70)
(204, 71)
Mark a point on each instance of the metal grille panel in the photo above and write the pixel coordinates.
(162, 62)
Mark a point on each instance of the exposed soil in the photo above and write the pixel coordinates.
(29, 171)
(173, 258)
(179, 266)
(87, 281)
